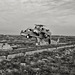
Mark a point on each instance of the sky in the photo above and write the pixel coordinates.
(57, 15)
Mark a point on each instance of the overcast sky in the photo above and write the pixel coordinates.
(57, 15)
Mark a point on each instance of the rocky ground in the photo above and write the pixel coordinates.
(58, 62)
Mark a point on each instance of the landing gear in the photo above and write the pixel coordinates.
(40, 41)
(49, 40)
(37, 41)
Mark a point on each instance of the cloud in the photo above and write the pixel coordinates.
(18, 14)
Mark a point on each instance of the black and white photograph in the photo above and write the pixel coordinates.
(37, 37)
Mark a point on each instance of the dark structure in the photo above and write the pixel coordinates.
(40, 32)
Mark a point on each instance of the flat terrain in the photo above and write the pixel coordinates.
(56, 62)
(60, 61)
